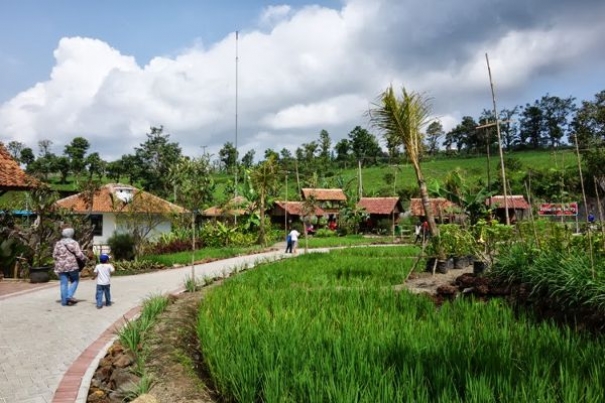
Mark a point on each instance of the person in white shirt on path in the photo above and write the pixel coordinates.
(294, 234)
(103, 275)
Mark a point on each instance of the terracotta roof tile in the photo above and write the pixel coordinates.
(440, 205)
(12, 176)
(516, 202)
(235, 206)
(115, 197)
(296, 208)
(380, 205)
(324, 194)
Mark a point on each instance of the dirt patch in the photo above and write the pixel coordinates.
(174, 354)
(172, 359)
(426, 282)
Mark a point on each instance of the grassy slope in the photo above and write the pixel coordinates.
(433, 169)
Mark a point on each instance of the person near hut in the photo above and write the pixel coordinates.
(288, 243)
(294, 234)
(426, 231)
(418, 232)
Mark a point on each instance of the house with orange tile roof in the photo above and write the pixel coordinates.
(443, 209)
(380, 208)
(518, 207)
(291, 211)
(330, 200)
(12, 177)
(108, 205)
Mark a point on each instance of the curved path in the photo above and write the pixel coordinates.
(48, 352)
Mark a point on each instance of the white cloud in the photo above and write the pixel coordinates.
(274, 14)
(306, 70)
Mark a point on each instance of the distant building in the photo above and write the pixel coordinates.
(444, 210)
(518, 207)
(105, 205)
(380, 208)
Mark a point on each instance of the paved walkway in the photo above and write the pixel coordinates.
(47, 350)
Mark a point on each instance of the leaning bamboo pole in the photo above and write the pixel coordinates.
(585, 204)
(596, 189)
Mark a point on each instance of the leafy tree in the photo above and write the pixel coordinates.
(128, 165)
(310, 150)
(556, 112)
(465, 135)
(406, 117)
(589, 126)
(532, 122)
(95, 165)
(393, 147)
(286, 159)
(44, 164)
(364, 146)
(228, 156)
(193, 179)
(248, 158)
(434, 132)
(271, 154)
(343, 150)
(114, 170)
(76, 152)
(63, 166)
(509, 130)
(325, 145)
(154, 158)
(27, 156)
(15, 148)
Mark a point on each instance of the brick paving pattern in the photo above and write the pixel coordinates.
(47, 349)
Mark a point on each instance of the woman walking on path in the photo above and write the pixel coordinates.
(66, 265)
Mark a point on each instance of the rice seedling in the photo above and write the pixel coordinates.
(140, 388)
(131, 335)
(330, 328)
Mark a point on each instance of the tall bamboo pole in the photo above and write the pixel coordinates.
(585, 202)
(499, 142)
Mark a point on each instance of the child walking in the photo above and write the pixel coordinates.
(103, 275)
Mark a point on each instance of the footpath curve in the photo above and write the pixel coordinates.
(47, 350)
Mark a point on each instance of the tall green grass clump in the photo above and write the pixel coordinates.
(299, 330)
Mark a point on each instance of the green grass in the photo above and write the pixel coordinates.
(204, 254)
(328, 328)
(349, 240)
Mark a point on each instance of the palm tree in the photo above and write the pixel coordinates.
(404, 118)
(264, 178)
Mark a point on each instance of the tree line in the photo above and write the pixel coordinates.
(159, 166)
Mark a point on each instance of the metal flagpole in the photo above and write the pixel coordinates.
(236, 94)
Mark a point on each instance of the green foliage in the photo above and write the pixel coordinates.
(324, 327)
(217, 234)
(126, 267)
(205, 254)
(325, 233)
(122, 246)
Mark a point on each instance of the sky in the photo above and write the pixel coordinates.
(109, 70)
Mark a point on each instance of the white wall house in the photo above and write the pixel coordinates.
(111, 201)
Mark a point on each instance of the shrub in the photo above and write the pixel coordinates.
(131, 266)
(122, 246)
(325, 233)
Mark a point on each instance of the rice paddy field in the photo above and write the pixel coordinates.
(329, 327)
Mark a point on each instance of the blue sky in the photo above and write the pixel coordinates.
(108, 70)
